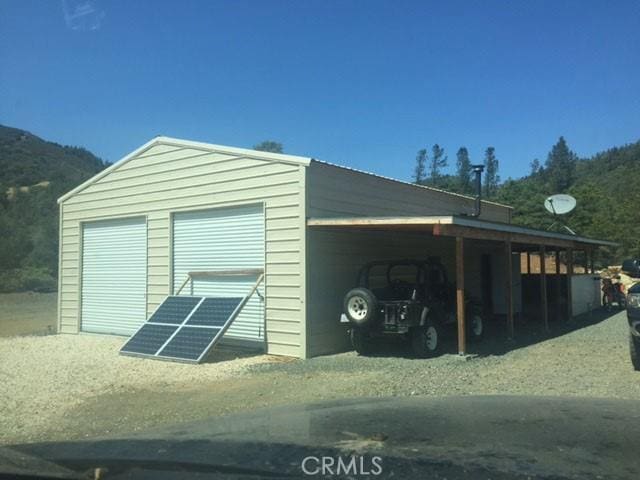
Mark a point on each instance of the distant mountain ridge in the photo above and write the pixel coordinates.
(26, 159)
(33, 174)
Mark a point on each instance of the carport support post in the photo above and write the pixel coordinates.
(569, 277)
(509, 287)
(460, 296)
(543, 287)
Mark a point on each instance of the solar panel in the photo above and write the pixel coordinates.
(214, 312)
(174, 310)
(149, 339)
(189, 343)
(184, 328)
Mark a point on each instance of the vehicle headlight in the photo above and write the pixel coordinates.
(633, 300)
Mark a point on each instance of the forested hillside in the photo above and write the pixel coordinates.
(33, 174)
(606, 187)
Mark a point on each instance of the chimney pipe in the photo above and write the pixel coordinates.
(478, 169)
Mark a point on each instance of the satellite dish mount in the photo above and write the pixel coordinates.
(557, 205)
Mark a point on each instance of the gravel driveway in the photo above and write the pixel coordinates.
(64, 386)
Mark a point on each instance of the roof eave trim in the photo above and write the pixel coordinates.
(245, 152)
(208, 147)
(109, 169)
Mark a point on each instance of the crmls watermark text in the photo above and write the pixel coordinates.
(352, 465)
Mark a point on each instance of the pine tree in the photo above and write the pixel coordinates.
(269, 146)
(560, 167)
(463, 165)
(491, 177)
(420, 171)
(535, 167)
(437, 163)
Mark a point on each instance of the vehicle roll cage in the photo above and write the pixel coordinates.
(422, 267)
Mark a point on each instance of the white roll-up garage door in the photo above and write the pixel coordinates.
(222, 239)
(114, 276)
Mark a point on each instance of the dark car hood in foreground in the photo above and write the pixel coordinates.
(416, 437)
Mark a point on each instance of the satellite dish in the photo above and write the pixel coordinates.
(560, 204)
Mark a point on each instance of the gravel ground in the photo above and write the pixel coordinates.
(62, 387)
(45, 378)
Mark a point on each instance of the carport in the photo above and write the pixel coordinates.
(510, 238)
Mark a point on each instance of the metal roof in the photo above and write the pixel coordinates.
(409, 184)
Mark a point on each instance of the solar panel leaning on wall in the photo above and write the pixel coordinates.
(184, 328)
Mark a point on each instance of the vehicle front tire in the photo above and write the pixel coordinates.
(634, 349)
(360, 306)
(360, 341)
(426, 339)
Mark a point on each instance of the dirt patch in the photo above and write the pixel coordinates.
(28, 313)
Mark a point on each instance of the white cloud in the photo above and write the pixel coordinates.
(82, 15)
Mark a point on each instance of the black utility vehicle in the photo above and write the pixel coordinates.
(633, 316)
(412, 298)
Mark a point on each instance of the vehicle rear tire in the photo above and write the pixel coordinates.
(634, 349)
(360, 306)
(360, 341)
(425, 340)
(475, 328)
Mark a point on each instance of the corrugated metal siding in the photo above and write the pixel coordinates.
(162, 181)
(114, 276)
(222, 239)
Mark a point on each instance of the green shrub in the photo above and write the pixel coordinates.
(28, 279)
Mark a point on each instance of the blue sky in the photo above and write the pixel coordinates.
(361, 83)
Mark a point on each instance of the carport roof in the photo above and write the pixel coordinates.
(466, 227)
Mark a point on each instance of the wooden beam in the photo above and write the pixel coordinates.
(227, 273)
(509, 288)
(449, 230)
(385, 221)
(558, 286)
(569, 277)
(460, 310)
(528, 263)
(184, 284)
(543, 287)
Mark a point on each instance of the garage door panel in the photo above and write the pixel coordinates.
(114, 273)
(222, 239)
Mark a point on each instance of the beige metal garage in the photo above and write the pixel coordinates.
(208, 207)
